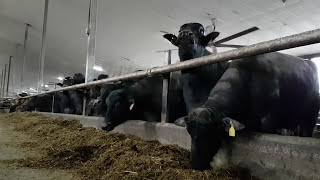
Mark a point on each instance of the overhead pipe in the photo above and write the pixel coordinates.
(297, 40)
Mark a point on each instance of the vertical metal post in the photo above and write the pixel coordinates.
(16, 60)
(52, 106)
(26, 32)
(4, 80)
(43, 46)
(91, 31)
(9, 72)
(1, 95)
(165, 90)
(53, 96)
(84, 107)
(91, 49)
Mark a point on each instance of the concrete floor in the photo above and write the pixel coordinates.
(10, 150)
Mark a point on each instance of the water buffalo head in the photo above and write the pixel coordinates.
(30, 104)
(207, 130)
(78, 78)
(103, 76)
(191, 40)
(119, 104)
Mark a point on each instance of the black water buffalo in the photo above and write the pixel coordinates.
(24, 94)
(196, 82)
(100, 105)
(71, 101)
(16, 105)
(142, 101)
(41, 103)
(264, 93)
(92, 95)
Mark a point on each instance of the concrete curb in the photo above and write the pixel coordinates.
(164, 133)
(267, 156)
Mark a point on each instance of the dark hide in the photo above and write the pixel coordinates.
(42, 103)
(264, 93)
(71, 101)
(141, 101)
(196, 82)
(92, 98)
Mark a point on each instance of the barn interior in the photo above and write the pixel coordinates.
(43, 42)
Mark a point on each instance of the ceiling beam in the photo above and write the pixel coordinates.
(310, 56)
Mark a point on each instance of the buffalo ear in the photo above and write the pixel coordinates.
(204, 40)
(172, 38)
(236, 124)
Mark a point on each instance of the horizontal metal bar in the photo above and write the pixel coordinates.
(229, 45)
(302, 39)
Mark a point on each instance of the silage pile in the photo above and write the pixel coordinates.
(95, 154)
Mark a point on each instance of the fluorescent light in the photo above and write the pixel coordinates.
(97, 68)
(32, 89)
(60, 78)
(46, 86)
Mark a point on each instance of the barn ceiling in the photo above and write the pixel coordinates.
(128, 34)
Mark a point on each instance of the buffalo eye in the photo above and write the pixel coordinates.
(201, 31)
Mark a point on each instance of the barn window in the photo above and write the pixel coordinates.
(317, 62)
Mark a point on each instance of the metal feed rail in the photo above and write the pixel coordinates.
(301, 39)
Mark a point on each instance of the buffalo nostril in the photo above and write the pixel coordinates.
(108, 126)
(185, 33)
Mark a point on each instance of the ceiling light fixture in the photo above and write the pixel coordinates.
(60, 78)
(97, 68)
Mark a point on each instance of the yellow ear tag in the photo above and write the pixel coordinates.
(232, 131)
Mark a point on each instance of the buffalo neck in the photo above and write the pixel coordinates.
(195, 51)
